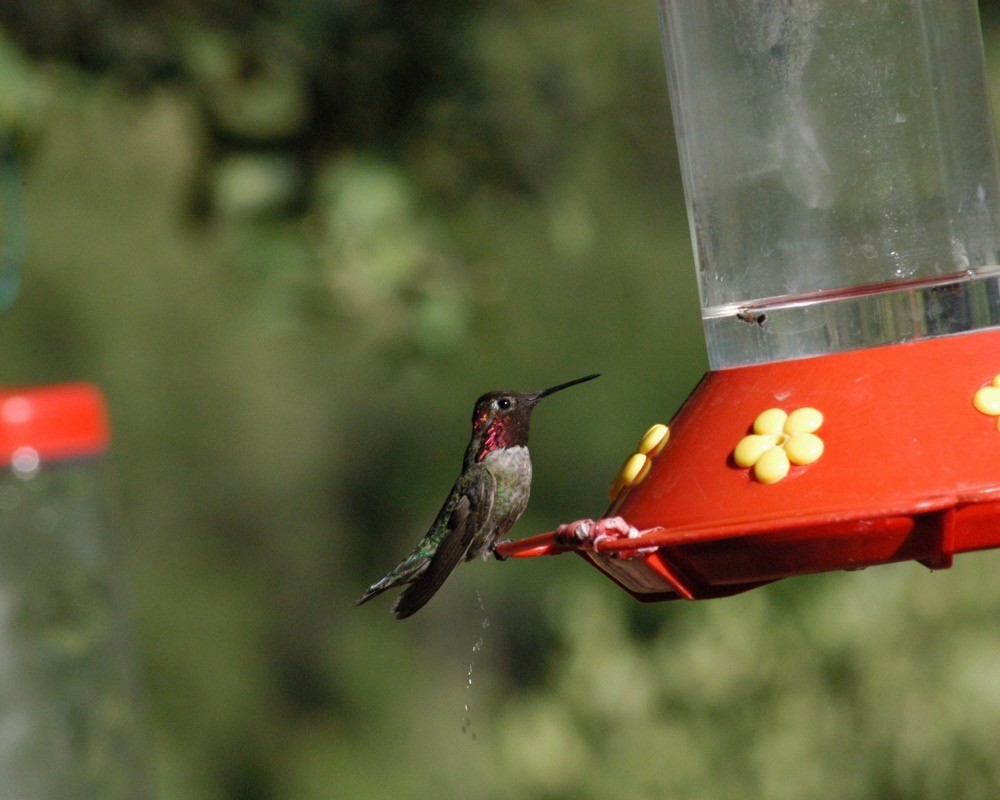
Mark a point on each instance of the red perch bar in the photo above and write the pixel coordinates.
(908, 469)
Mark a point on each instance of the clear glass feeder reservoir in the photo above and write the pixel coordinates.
(840, 171)
(70, 727)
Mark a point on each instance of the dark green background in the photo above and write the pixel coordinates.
(293, 241)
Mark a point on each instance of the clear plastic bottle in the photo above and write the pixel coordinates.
(840, 170)
(70, 727)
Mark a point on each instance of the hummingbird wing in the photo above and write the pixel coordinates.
(475, 491)
(418, 559)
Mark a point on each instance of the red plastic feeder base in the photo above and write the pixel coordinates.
(909, 470)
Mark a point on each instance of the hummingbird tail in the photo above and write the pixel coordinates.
(405, 572)
(372, 591)
(416, 595)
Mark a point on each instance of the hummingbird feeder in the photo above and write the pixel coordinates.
(840, 172)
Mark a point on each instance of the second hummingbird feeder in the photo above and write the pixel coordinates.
(841, 178)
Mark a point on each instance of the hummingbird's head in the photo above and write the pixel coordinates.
(502, 419)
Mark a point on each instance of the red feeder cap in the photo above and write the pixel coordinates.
(53, 422)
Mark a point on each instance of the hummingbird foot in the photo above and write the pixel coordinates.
(590, 533)
(496, 544)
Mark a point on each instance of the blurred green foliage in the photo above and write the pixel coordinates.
(293, 241)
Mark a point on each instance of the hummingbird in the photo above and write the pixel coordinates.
(490, 494)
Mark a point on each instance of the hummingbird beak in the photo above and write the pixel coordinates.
(535, 398)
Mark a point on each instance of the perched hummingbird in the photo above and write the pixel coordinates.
(485, 502)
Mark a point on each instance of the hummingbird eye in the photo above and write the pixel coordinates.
(504, 404)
